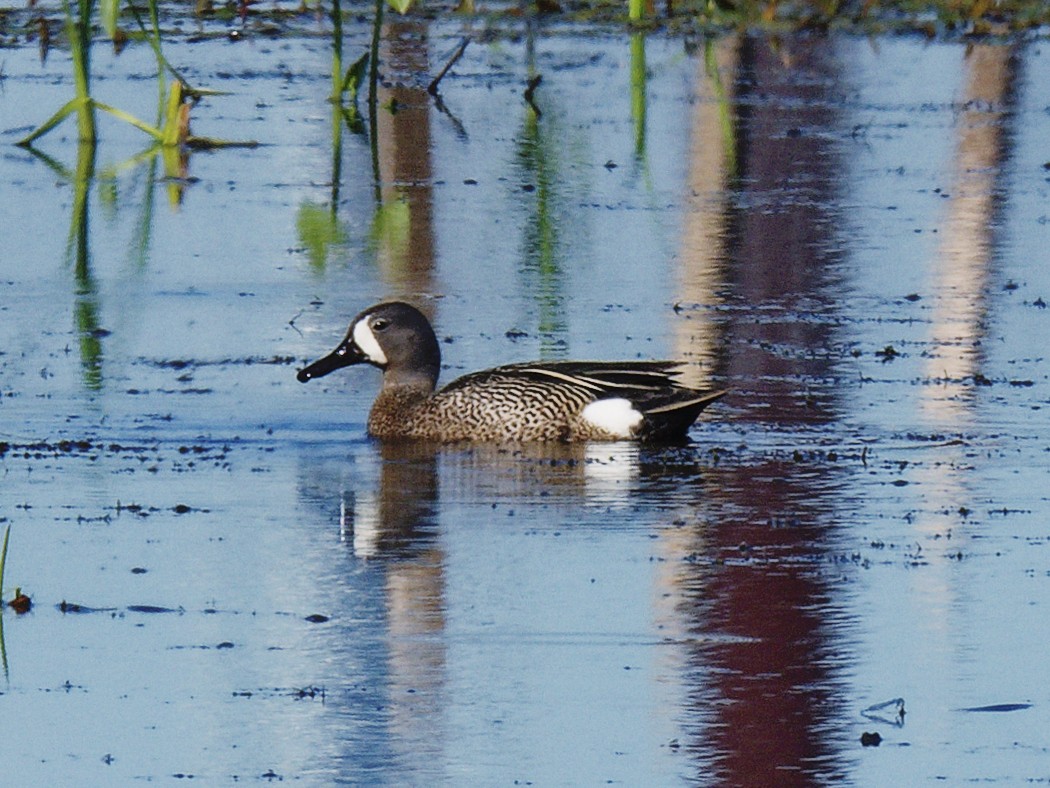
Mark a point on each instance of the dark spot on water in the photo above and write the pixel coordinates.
(21, 604)
(870, 739)
(139, 570)
(888, 353)
(73, 607)
(152, 609)
(224, 645)
(999, 707)
(317, 618)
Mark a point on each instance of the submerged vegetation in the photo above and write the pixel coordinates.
(61, 24)
(80, 23)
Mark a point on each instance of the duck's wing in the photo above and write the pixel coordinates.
(600, 378)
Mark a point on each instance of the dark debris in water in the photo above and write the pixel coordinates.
(152, 457)
(21, 604)
(888, 353)
(179, 363)
(878, 712)
(75, 608)
(999, 707)
(309, 692)
(223, 646)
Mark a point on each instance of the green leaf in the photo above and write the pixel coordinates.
(354, 75)
(127, 117)
(401, 6)
(3, 556)
(170, 132)
(110, 10)
(65, 111)
(319, 230)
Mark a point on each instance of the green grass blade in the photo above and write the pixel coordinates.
(127, 117)
(172, 115)
(71, 106)
(109, 10)
(3, 560)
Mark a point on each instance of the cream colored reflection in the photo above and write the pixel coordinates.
(961, 269)
(609, 472)
(578, 473)
(711, 162)
(711, 165)
(361, 526)
(394, 523)
(416, 648)
(960, 277)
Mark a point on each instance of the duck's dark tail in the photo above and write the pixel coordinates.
(670, 417)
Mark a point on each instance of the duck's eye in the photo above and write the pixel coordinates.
(380, 323)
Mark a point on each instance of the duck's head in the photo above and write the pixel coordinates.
(394, 336)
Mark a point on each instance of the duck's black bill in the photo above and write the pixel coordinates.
(345, 355)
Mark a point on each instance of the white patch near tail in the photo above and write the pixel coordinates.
(366, 340)
(616, 416)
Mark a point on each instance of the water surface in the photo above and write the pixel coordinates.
(847, 233)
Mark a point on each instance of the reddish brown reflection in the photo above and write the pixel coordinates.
(406, 253)
(764, 700)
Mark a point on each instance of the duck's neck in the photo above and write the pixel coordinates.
(420, 380)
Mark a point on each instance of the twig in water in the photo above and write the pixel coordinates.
(292, 321)
(432, 88)
(530, 91)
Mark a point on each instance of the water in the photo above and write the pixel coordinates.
(847, 233)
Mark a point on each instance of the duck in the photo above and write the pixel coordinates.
(566, 401)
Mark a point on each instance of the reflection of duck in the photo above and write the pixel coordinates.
(566, 401)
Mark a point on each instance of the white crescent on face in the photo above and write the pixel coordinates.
(366, 340)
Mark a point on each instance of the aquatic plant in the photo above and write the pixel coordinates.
(172, 127)
(3, 556)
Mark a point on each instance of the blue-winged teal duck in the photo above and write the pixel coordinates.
(544, 401)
